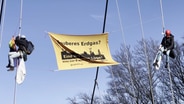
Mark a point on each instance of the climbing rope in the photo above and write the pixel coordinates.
(126, 50)
(163, 26)
(20, 19)
(162, 14)
(20, 27)
(145, 51)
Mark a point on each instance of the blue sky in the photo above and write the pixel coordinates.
(42, 85)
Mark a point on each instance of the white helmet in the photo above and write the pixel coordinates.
(23, 36)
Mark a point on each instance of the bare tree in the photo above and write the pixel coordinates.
(130, 80)
(120, 84)
(83, 98)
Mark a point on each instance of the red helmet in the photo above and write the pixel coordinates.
(168, 32)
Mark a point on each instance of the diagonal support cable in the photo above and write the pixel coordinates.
(146, 54)
(126, 52)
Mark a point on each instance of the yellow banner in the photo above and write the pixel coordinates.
(81, 51)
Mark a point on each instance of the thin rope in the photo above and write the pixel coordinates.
(3, 8)
(163, 26)
(20, 25)
(146, 54)
(126, 50)
(162, 14)
(20, 21)
(15, 91)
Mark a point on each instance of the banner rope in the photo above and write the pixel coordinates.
(97, 70)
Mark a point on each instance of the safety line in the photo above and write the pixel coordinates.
(172, 92)
(20, 24)
(20, 21)
(162, 14)
(163, 26)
